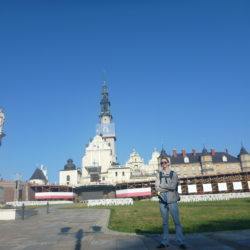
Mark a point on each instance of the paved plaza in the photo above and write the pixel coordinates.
(87, 229)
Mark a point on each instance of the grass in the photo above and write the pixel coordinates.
(144, 216)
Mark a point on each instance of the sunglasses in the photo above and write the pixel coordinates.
(164, 162)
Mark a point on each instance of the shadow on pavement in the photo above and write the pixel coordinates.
(79, 236)
(65, 230)
(96, 229)
(149, 232)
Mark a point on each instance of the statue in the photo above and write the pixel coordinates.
(2, 118)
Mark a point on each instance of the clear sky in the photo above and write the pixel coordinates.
(178, 74)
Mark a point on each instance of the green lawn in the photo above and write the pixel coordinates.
(144, 216)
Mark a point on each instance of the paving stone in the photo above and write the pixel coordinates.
(66, 229)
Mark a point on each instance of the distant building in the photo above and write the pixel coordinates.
(100, 166)
(100, 153)
(38, 177)
(13, 190)
(69, 176)
(209, 163)
(7, 191)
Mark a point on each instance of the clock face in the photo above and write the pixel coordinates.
(106, 130)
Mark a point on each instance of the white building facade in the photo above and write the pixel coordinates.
(99, 162)
(70, 175)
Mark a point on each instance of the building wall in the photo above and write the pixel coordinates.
(11, 191)
(73, 176)
(1, 194)
(187, 169)
(111, 142)
(37, 181)
(84, 180)
(153, 164)
(184, 170)
(98, 153)
(135, 163)
(226, 168)
(118, 175)
(245, 162)
(195, 169)
(9, 188)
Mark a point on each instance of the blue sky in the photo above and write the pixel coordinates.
(178, 75)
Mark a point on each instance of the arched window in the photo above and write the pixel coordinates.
(186, 159)
(68, 177)
(224, 158)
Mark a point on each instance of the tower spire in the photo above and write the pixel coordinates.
(104, 76)
(105, 103)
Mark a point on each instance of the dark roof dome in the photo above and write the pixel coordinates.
(70, 165)
(204, 151)
(163, 154)
(38, 175)
(243, 151)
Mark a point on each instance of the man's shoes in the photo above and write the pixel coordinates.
(162, 246)
(183, 246)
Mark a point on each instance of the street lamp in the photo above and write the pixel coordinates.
(2, 118)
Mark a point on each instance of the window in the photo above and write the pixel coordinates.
(68, 178)
(224, 158)
(103, 178)
(116, 174)
(186, 159)
(123, 174)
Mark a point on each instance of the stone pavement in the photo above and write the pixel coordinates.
(76, 229)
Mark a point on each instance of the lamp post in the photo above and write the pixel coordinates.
(2, 118)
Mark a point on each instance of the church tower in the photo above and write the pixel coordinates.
(100, 154)
(244, 157)
(106, 127)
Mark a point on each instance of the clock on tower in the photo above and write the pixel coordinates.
(106, 129)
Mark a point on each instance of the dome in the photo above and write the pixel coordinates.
(70, 165)
(204, 151)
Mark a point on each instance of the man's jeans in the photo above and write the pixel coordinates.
(174, 211)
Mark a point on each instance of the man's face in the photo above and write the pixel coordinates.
(164, 164)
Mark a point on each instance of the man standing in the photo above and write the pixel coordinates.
(166, 186)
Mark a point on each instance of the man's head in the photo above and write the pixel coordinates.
(165, 163)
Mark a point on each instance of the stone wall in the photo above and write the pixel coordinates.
(110, 202)
(210, 197)
(36, 203)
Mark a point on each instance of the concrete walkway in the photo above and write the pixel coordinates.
(87, 229)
